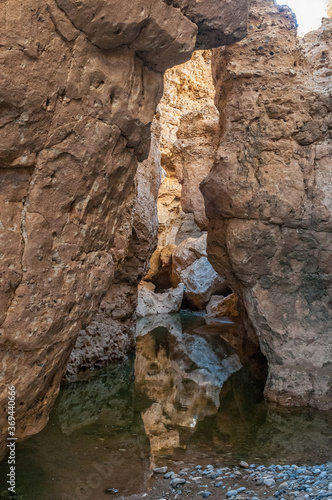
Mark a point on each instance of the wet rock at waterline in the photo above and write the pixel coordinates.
(187, 263)
(172, 322)
(78, 94)
(152, 302)
(220, 306)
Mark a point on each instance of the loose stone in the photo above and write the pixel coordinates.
(231, 493)
(175, 483)
(160, 470)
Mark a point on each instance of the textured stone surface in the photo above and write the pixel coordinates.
(188, 142)
(268, 197)
(220, 306)
(227, 24)
(75, 118)
(191, 267)
(111, 333)
(189, 136)
(150, 302)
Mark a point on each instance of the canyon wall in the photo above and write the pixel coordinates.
(268, 196)
(80, 82)
(111, 334)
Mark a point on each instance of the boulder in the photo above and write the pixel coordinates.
(201, 282)
(151, 302)
(220, 306)
(186, 254)
(191, 267)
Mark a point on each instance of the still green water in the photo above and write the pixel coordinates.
(185, 397)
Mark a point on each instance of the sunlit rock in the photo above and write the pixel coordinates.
(151, 302)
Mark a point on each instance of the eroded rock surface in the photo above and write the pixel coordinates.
(268, 197)
(191, 267)
(110, 336)
(79, 88)
(151, 302)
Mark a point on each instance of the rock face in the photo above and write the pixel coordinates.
(150, 302)
(189, 139)
(79, 87)
(111, 333)
(220, 306)
(268, 197)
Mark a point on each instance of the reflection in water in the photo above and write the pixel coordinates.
(182, 374)
(185, 396)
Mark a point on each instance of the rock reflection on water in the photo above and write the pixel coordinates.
(184, 397)
(182, 374)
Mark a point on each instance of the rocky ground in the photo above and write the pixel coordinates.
(244, 482)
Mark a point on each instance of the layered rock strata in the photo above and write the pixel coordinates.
(80, 82)
(268, 197)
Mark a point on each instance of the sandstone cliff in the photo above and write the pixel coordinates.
(268, 196)
(80, 82)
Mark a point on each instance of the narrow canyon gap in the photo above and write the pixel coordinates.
(80, 82)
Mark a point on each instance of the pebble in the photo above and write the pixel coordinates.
(168, 475)
(283, 486)
(269, 482)
(177, 481)
(160, 470)
(231, 493)
(273, 482)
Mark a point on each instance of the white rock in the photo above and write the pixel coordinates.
(150, 302)
(201, 281)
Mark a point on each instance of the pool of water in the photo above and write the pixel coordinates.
(187, 396)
